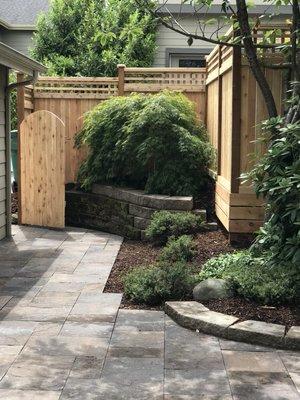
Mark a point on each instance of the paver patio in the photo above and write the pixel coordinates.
(62, 338)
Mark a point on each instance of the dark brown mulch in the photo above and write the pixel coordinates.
(245, 310)
(136, 253)
(210, 244)
(131, 255)
(14, 203)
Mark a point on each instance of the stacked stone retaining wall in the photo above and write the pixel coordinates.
(125, 212)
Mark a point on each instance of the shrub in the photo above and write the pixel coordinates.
(181, 249)
(165, 224)
(276, 177)
(150, 142)
(159, 283)
(254, 278)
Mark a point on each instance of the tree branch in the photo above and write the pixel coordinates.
(184, 32)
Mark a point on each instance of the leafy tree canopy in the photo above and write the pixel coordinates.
(90, 37)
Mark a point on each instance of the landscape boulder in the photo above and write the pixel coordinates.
(212, 289)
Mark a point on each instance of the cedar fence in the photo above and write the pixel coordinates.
(235, 108)
(226, 98)
(71, 98)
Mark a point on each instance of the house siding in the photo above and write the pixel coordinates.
(167, 39)
(18, 40)
(3, 83)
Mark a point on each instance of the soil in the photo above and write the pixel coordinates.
(14, 203)
(210, 244)
(245, 310)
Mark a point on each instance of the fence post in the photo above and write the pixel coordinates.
(121, 79)
(20, 116)
(236, 119)
(20, 100)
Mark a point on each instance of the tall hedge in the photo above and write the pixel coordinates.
(151, 142)
(90, 37)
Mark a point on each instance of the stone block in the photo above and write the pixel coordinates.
(142, 212)
(200, 213)
(212, 226)
(195, 316)
(292, 338)
(160, 202)
(141, 223)
(258, 332)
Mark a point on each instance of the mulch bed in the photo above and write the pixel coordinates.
(135, 253)
(245, 310)
(14, 203)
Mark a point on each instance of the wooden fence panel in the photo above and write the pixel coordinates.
(235, 109)
(189, 81)
(70, 98)
(42, 170)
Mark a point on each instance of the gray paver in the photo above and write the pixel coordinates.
(66, 346)
(62, 338)
(12, 394)
(236, 361)
(86, 329)
(262, 386)
(189, 382)
(133, 378)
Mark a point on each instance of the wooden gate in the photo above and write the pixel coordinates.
(42, 170)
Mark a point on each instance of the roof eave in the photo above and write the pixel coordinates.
(17, 27)
(13, 59)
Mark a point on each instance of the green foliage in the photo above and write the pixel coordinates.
(151, 142)
(90, 37)
(178, 249)
(166, 224)
(13, 103)
(253, 277)
(159, 283)
(276, 176)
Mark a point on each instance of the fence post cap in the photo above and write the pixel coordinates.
(121, 66)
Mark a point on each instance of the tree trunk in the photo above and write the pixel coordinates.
(250, 50)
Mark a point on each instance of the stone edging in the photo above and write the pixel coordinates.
(195, 316)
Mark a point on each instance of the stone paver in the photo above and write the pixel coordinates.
(62, 338)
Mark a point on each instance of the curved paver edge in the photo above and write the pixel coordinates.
(195, 316)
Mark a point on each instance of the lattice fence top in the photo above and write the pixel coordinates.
(73, 87)
(156, 79)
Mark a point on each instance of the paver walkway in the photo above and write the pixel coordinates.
(62, 338)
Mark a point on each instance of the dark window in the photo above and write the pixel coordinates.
(190, 63)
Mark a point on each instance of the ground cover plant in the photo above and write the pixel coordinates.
(150, 142)
(182, 249)
(158, 283)
(167, 224)
(254, 279)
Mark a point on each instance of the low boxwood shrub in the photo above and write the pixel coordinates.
(165, 224)
(254, 279)
(159, 283)
(150, 142)
(178, 249)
